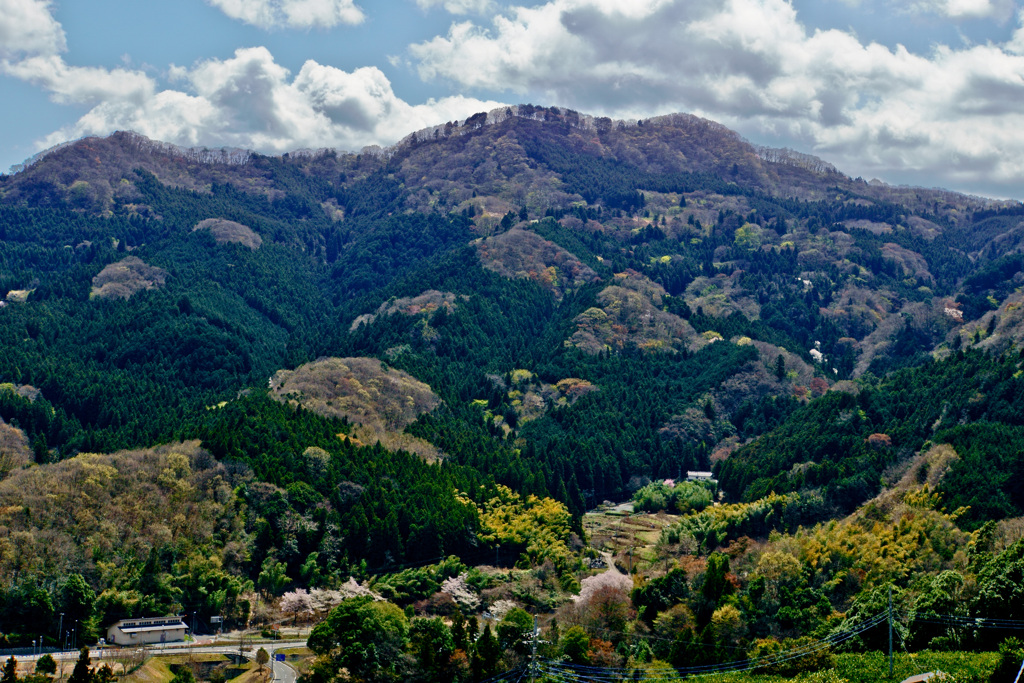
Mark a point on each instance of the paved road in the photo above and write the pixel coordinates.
(283, 672)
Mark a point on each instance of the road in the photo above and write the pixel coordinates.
(282, 671)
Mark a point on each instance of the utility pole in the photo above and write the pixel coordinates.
(890, 630)
(533, 653)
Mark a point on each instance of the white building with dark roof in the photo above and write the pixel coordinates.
(146, 631)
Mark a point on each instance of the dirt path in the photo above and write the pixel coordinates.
(609, 562)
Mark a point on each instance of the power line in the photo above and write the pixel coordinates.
(562, 671)
(963, 620)
(506, 676)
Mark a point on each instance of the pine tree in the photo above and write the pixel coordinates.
(459, 632)
(488, 652)
(10, 671)
(82, 673)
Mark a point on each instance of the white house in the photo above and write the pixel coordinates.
(145, 631)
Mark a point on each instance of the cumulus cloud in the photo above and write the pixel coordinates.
(251, 101)
(458, 6)
(82, 85)
(31, 47)
(301, 14)
(753, 65)
(28, 28)
(248, 100)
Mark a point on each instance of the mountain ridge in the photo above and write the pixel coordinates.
(794, 165)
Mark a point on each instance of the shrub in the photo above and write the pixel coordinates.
(1011, 656)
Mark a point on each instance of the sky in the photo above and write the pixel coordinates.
(918, 92)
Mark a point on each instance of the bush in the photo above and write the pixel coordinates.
(769, 648)
(46, 665)
(1011, 656)
(683, 496)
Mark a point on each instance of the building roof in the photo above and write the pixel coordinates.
(147, 629)
(146, 624)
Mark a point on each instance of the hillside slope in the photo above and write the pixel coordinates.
(530, 302)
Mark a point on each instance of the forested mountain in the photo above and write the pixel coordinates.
(346, 361)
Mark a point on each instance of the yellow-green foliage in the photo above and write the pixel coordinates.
(519, 376)
(748, 236)
(867, 549)
(98, 514)
(540, 525)
(769, 649)
(923, 497)
(874, 551)
(714, 525)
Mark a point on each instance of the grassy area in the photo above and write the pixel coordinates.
(618, 533)
(972, 667)
(872, 667)
(153, 670)
(161, 669)
(251, 674)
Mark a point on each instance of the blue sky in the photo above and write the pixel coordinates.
(923, 92)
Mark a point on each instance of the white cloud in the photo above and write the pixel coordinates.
(28, 28)
(963, 9)
(458, 6)
(753, 65)
(251, 101)
(31, 43)
(82, 85)
(246, 101)
(957, 10)
(301, 14)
